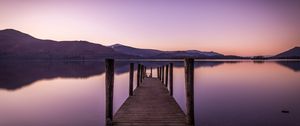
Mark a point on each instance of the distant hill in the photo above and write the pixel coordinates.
(292, 53)
(18, 45)
(146, 53)
(189, 54)
(158, 54)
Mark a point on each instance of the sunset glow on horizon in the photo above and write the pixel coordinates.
(234, 27)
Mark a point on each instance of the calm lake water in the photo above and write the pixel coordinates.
(227, 93)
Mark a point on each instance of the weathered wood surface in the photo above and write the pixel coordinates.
(109, 89)
(189, 89)
(138, 75)
(171, 79)
(131, 72)
(150, 105)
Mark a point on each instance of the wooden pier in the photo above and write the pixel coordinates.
(151, 103)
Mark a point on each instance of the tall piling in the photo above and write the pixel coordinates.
(109, 90)
(189, 85)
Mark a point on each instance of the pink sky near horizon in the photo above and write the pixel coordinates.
(234, 27)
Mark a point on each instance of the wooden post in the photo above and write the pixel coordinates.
(145, 73)
(157, 72)
(142, 73)
(167, 75)
(189, 86)
(138, 75)
(163, 74)
(171, 79)
(151, 72)
(109, 90)
(131, 79)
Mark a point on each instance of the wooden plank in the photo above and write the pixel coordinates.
(150, 105)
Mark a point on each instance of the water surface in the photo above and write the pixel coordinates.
(227, 93)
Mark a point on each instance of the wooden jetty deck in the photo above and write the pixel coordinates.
(150, 105)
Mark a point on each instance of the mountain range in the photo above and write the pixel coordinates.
(17, 45)
(292, 53)
(158, 54)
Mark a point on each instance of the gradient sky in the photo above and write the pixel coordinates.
(237, 27)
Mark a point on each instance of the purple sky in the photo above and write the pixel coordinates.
(239, 27)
